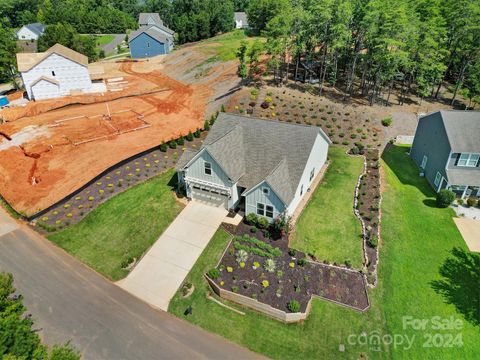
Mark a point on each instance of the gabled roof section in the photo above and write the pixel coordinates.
(45, 78)
(149, 19)
(26, 61)
(37, 28)
(185, 158)
(241, 16)
(150, 31)
(252, 150)
(463, 130)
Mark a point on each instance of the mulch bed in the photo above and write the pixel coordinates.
(119, 178)
(368, 206)
(288, 283)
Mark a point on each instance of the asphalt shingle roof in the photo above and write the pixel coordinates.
(241, 16)
(143, 19)
(36, 28)
(252, 150)
(463, 130)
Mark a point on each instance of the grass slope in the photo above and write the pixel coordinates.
(126, 225)
(104, 39)
(328, 227)
(417, 239)
(224, 47)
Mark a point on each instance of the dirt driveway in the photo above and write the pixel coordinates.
(161, 272)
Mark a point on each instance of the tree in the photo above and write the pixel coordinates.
(8, 48)
(17, 338)
(242, 58)
(260, 12)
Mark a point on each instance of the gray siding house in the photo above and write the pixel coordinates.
(253, 165)
(152, 37)
(446, 147)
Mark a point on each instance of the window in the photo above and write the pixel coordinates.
(269, 211)
(208, 168)
(312, 174)
(438, 177)
(469, 160)
(301, 190)
(260, 209)
(53, 73)
(266, 191)
(148, 44)
(424, 162)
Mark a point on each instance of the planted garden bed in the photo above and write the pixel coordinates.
(367, 206)
(117, 179)
(264, 269)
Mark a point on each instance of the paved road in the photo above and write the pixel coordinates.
(160, 273)
(70, 301)
(111, 46)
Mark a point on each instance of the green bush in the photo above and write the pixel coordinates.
(181, 141)
(172, 144)
(472, 201)
(270, 265)
(387, 121)
(252, 218)
(255, 246)
(253, 229)
(292, 252)
(263, 223)
(189, 136)
(213, 273)
(196, 134)
(373, 241)
(163, 147)
(293, 306)
(206, 125)
(302, 262)
(445, 198)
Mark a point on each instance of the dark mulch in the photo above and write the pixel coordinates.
(368, 203)
(288, 283)
(119, 178)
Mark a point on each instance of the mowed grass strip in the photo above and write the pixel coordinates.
(104, 39)
(327, 226)
(224, 47)
(417, 240)
(126, 225)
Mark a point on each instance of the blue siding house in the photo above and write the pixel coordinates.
(152, 38)
(145, 45)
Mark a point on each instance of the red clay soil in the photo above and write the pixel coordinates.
(47, 165)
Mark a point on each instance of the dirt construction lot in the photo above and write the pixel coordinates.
(50, 148)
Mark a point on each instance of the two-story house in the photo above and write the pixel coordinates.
(258, 166)
(446, 147)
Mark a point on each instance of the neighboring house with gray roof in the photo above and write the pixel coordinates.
(254, 165)
(446, 147)
(30, 31)
(241, 20)
(152, 37)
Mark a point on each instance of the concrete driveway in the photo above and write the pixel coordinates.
(160, 273)
(470, 230)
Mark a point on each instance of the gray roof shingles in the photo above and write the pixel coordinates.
(150, 32)
(241, 16)
(143, 19)
(463, 130)
(36, 28)
(252, 150)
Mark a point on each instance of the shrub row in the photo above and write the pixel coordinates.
(259, 247)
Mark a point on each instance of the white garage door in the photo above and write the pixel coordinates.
(211, 196)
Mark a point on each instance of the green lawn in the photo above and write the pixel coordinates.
(416, 239)
(328, 227)
(224, 47)
(126, 225)
(104, 39)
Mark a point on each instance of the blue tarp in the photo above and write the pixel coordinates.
(3, 101)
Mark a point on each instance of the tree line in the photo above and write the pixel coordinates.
(371, 47)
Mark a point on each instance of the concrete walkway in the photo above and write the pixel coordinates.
(470, 230)
(160, 273)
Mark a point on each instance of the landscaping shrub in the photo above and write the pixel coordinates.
(264, 105)
(163, 147)
(213, 273)
(242, 256)
(263, 223)
(172, 144)
(206, 125)
(270, 265)
(373, 241)
(252, 218)
(253, 229)
(189, 137)
(387, 121)
(196, 134)
(302, 262)
(181, 141)
(445, 198)
(255, 246)
(472, 201)
(348, 263)
(292, 252)
(293, 306)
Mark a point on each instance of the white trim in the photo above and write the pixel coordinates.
(267, 192)
(424, 162)
(205, 162)
(273, 211)
(438, 179)
(263, 210)
(200, 182)
(468, 159)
